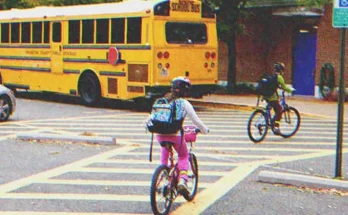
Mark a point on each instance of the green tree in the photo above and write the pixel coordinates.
(8, 4)
(228, 27)
(76, 2)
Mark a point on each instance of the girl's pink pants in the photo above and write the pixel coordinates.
(180, 148)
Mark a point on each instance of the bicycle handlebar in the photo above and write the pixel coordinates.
(190, 133)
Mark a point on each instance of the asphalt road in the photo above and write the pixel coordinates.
(230, 164)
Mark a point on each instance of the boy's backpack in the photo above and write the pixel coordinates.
(267, 85)
(164, 118)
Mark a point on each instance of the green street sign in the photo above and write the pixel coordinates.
(340, 14)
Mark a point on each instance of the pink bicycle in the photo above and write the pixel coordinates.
(164, 182)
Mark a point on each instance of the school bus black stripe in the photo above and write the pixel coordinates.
(112, 73)
(125, 47)
(84, 60)
(37, 69)
(70, 71)
(25, 58)
(19, 86)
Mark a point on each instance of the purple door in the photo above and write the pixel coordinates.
(304, 63)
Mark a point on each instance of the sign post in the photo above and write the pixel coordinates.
(340, 20)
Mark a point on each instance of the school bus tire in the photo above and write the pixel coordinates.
(89, 89)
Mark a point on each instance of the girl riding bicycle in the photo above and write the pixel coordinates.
(180, 87)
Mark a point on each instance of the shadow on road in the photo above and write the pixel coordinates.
(67, 99)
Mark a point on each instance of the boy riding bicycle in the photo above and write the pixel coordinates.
(273, 100)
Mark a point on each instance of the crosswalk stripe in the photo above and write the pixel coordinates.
(231, 155)
(139, 171)
(269, 140)
(136, 127)
(106, 182)
(85, 196)
(211, 135)
(156, 162)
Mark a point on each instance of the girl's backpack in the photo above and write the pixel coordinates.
(164, 118)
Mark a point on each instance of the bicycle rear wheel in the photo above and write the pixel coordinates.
(290, 122)
(257, 126)
(160, 192)
(192, 184)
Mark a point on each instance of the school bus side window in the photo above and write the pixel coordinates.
(117, 30)
(37, 32)
(15, 32)
(5, 27)
(134, 30)
(25, 32)
(74, 31)
(46, 32)
(57, 32)
(88, 31)
(102, 30)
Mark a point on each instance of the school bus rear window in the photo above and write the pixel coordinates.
(186, 33)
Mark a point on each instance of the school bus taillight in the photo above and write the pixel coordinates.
(213, 55)
(167, 65)
(205, 65)
(166, 55)
(207, 55)
(159, 55)
(212, 65)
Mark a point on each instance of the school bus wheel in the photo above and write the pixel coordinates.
(89, 89)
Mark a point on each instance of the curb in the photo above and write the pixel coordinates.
(222, 105)
(70, 138)
(302, 180)
(244, 107)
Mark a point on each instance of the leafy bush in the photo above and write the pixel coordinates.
(239, 88)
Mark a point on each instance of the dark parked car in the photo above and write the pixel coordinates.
(7, 103)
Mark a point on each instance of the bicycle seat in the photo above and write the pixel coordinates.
(166, 144)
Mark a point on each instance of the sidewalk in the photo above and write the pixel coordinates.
(307, 105)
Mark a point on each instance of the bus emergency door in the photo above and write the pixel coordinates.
(56, 47)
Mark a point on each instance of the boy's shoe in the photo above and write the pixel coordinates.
(182, 186)
(276, 131)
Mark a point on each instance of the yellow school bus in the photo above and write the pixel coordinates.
(125, 50)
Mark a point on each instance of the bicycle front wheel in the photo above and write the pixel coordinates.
(192, 184)
(160, 192)
(290, 122)
(257, 126)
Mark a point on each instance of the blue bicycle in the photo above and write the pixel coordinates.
(261, 120)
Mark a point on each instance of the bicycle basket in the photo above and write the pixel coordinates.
(189, 133)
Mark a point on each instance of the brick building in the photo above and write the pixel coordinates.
(302, 38)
